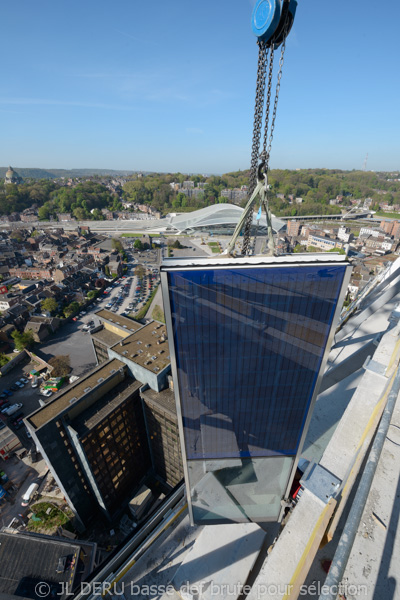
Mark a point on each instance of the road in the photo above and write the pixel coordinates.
(22, 476)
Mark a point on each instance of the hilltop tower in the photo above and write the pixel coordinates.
(12, 176)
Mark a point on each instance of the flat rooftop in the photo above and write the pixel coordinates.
(164, 399)
(26, 561)
(93, 415)
(148, 347)
(117, 320)
(75, 390)
(106, 337)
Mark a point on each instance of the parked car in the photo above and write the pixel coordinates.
(10, 410)
(46, 393)
(16, 418)
(24, 380)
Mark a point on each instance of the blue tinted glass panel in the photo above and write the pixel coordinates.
(249, 343)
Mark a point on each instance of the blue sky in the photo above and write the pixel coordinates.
(169, 86)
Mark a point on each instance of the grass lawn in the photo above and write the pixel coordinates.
(142, 312)
(158, 314)
(139, 235)
(391, 215)
(215, 247)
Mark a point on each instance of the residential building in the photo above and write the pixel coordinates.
(396, 230)
(344, 234)
(28, 559)
(374, 242)
(7, 301)
(293, 228)
(387, 226)
(65, 217)
(163, 434)
(113, 329)
(389, 245)
(366, 231)
(93, 439)
(321, 243)
(108, 431)
(236, 195)
(146, 353)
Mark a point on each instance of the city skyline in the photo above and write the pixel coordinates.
(119, 88)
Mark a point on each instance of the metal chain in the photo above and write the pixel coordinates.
(267, 110)
(258, 114)
(265, 55)
(278, 88)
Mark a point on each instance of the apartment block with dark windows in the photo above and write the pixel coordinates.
(103, 435)
(163, 434)
(93, 438)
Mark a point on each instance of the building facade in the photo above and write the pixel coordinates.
(105, 433)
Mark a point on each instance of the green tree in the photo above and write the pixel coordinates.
(49, 305)
(98, 215)
(138, 245)
(117, 245)
(140, 271)
(3, 360)
(44, 212)
(92, 294)
(71, 309)
(338, 250)
(80, 213)
(23, 340)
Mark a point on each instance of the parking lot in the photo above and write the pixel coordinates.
(128, 295)
(27, 396)
(70, 340)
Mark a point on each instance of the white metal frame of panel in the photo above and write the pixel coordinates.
(217, 263)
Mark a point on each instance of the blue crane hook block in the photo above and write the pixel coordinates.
(249, 339)
(265, 18)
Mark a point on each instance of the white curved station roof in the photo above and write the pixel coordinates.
(217, 215)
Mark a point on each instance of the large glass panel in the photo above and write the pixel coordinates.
(248, 344)
(238, 490)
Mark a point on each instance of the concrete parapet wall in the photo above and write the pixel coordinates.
(312, 520)
(13, 362)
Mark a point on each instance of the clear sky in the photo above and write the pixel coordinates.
(169, 85)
